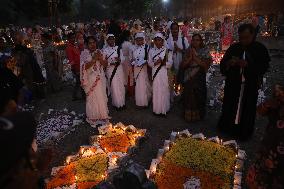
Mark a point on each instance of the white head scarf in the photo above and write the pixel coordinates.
(140, 35)
(108, 36)
(160, 35)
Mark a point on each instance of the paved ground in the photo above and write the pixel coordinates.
(158, 128)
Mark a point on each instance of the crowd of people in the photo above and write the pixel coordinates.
(152, 63)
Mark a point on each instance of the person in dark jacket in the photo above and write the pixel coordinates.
(30, 71)
(243, 65)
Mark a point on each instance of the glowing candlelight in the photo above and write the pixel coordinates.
(147, 173)
(238, 178)
(114, 160)
(82, 150)
(68, 159)
(167, 145)
(179, 89)
(104, 176)
(153, 166)
(160, 154)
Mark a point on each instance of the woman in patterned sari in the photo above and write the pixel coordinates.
(267, 171)
(195, 66)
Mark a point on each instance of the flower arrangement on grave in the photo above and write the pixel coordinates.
(216, 164)
(93, 163)
(118, 138)
(85, 169)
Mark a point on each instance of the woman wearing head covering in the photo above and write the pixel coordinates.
(160, 59)
(142, 84)
(195, 66)
(113, 56)
(93, 82)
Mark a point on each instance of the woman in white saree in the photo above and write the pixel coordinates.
(93, 81)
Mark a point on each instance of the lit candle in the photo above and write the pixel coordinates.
(147, 173)
(239, 164)
(160, 153)
(173, 136)
(82, 150)
(114, 160)
(68, 159)
(238, 178)
(153, 166)
(167, 145)
(179, 88)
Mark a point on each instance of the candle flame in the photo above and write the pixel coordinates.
(82, 150)
(68, 159)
